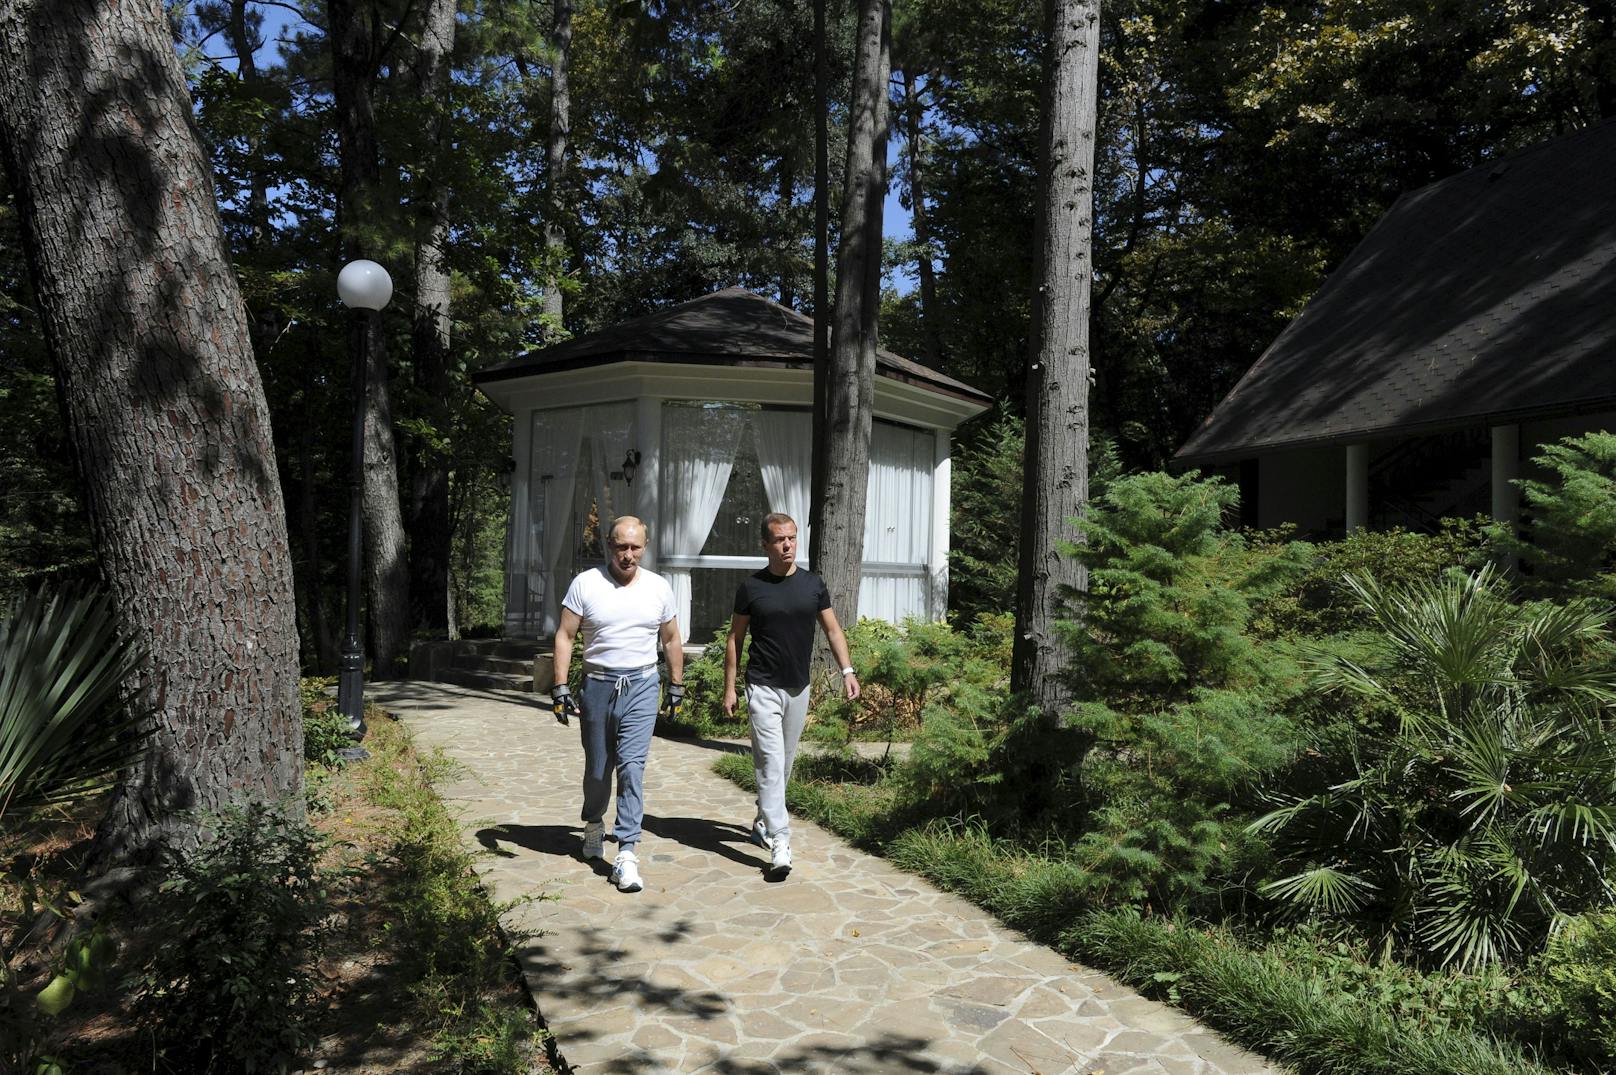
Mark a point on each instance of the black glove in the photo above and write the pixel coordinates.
(561, 703)
(673, 702)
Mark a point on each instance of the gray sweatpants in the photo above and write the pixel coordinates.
(618, 714)
(777, 717)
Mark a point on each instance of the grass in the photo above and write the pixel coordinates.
(1273, 999)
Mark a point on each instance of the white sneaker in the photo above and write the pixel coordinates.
(780, 859)
(760, 834)
(626, 872)
(594, 837)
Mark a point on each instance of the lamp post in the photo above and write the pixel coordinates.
(362, 286)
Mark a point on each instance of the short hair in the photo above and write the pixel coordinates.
(622, 521)
(773, 519)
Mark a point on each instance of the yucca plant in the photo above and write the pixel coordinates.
(65, 723)
(1473, 809)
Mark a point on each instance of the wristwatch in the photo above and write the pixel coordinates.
(848, 671)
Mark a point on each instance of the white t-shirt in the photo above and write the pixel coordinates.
(620, 623)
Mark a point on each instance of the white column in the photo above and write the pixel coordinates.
(1357, 487)
(518, 532)
(937, 560)
(1506, 468)
(648, 478)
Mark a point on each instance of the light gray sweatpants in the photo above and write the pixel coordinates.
(777, 717)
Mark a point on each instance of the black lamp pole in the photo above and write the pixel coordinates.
(351, 684)
(364, 287)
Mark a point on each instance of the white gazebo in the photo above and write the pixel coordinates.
(697, 419)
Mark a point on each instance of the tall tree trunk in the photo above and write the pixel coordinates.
(555, 160)
(817, 471)
(787, 190)
(148, 332)
(429, 499)
(914, 135)
(1055, 486)
(356, 58)
(850, 391)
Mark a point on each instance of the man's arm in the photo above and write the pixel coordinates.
(565, 633)
(732, 658)
(561, 700)
(838, 649)
(674, 646)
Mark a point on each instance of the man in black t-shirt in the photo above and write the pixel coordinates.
(780, 606)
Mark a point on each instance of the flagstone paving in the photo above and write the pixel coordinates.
(847, 966)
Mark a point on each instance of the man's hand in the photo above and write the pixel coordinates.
(850, 685)
(730, 701)
(673, 703)
(561, 703)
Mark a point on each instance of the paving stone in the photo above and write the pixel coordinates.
(850, 966)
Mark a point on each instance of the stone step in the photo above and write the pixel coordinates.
(499, 681)
(512, 666)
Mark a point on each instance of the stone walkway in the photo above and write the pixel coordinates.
(847, 966)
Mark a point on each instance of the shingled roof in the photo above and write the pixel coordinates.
(1484, 298)
(731, 327)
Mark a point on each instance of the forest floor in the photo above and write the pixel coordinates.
(369, 1019)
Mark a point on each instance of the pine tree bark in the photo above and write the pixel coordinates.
(914, 136)
(430, 328)
(356, 57)
(850, 388)
(555, 161)
(821, 423)
(145, 323)
(1055, 486)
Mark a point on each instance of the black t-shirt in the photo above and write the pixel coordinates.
(784, 610)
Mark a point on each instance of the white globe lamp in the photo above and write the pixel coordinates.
(364, 285)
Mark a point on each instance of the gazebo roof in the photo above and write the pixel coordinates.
(1487, 297)
(728, 327)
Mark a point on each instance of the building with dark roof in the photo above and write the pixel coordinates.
(697, 419)
(1476, 320)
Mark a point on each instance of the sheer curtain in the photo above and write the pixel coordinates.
(610, 429)
(785, 449)
(554, 472)
(897, 523)
(698, 454)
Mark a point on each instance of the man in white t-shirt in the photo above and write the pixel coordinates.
(622, 609)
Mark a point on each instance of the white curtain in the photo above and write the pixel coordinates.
(698, 455)
(553, 473)
(897, 522)
(785, 449)
(610, 429)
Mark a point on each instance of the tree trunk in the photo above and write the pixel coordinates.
(555, 158)
(817, 472)
(914, 134)
(785, 192)
(1055, 486)
(147, 329)
(355, 60)
(850, 391)
(429, 500)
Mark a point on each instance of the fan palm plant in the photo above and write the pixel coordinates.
(65, 723)
(1474, 808)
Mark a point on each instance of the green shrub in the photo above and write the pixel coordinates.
(1320, 604)
(231, 988)
(704, 694)
(1474, 806)
(1567, 998)
(1179, 713)
(1568, 537)
(325, 730)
